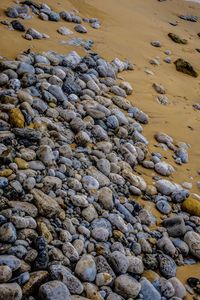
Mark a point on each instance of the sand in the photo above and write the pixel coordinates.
(128, 27)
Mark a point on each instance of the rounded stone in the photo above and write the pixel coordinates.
(54, 290)
(86, 269)
(127, 286)
(5, 273)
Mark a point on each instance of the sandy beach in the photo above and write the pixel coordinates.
(127, 29)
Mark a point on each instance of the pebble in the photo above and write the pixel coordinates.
(54, 289)
(127, 286)
(86, 268)
(5, 274)
(11, 291)
(148, 290)
(192, 239)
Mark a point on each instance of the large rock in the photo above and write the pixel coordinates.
(165, 187)
(46, 205)
(11, 261)
(175, 226)
(192, 239)
(54, 290)
(127, 286)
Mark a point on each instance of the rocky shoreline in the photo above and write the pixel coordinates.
(71, 225)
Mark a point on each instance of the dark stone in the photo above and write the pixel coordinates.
(189, 18)
(18, 26)
(185, 67)
(27, 133)
(175, 38)
(175, 226)
(71, 87)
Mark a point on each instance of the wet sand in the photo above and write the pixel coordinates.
(128, 27)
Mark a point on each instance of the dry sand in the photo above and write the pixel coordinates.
(128, 27)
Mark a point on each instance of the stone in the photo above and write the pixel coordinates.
(86, 269)
(135, 265)
(192, 239)
(80, 28)
(61, 273)
(21, 163)
(156, 44)
(118, 262)
(45, 154)
(18, 25)
(192, 206)
(3, 182)
(165, 187)
(127, 286)
(25, 207)
(11, 261)
(179, 288)
(148, 291)
(177, 39)
(46, 205)
(8, 233)
(167, 266)
(11, 291)
(105, 197)
(90, 183)
(36, 280)
(34, 34)
(64, 30)
(54, 290)
(5, 273)
(163, 206)
(185, 67)
(17, 118)
(166, 288)
(164, 168)
(159, 88)
(189, 18)
(175, 226)
(103, 279)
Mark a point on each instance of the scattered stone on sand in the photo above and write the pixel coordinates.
(185, 67)
(177, 39)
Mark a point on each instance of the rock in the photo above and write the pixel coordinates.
(189, 18)
(17, 118)
(82, 138)
(164, 168)
(175, 226)
(179, 288)
(45, 154)
(167, 266)
(148, 291)
(182, 154)
(59, 272)
(34, 34)
(86, 269)
(64, 31)
(105, 197)
(11, 261)
(80, 28)
(156, 44)
(11, 12)
(3, 182)
(166, 245)
(135, 265)
(8, 233)
(166, 288)
(25, 207)
(90, 183)
(54, 290)
(11, 291)
(18, 26)
(174, 37)
(3, 79)
(103, 279)
(79, 200)
(165, 187)
(159, 88)
(127, 87)
(100, 177)
(118, 262)
(192, 206)
(21, 163)
(5, 273)
(46, 205)
(127, 286)
(192, 239)
(36, 279)
(185, 67)
(163, 206)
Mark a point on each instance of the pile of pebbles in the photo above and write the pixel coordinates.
(26, 9)
(70, 224)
